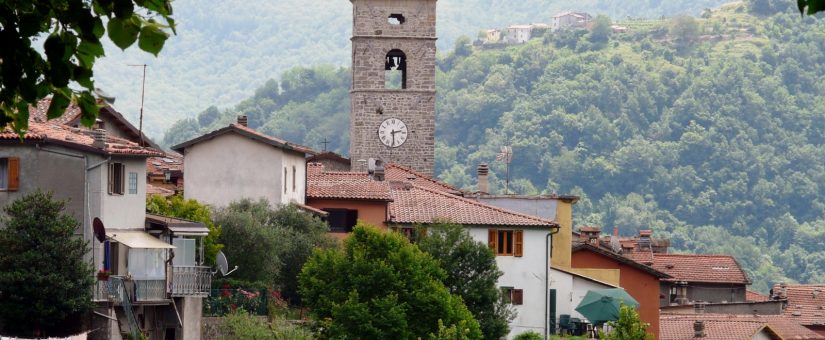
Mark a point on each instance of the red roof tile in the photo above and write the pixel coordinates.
(806, 303)
(37, 113)
(695, 268)
(344, 185)
(724, 326)
(156, 190)
(78, 138)
(395, 172)
(158, 165)
(756, 296)
(413, 203)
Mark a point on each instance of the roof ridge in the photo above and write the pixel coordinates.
(477, 203)
(410, 170)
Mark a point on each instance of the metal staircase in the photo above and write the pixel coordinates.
(119, 293)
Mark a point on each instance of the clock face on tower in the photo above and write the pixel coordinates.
(392, 132)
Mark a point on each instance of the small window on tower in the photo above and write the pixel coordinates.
(395, 74)
(396, 19)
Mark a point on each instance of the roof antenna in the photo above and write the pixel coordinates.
(142, 91)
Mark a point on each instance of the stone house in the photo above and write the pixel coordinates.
(237, 162)
(570, 19)
(518, 34)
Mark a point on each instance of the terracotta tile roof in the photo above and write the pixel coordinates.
(725, 326)
(328, 155)
(806, 303)
(249, 133)
(578, 246)
(37, 113)
(756, 296)
(395, 172)
(156, 190)
(588, 229)
(344, 185)
(696, 268)
(79, 139)
(413, 203)
(157, 165)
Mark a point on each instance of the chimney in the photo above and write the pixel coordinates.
(699, 329)
(242, 120)
(483, 182)
(99, 138)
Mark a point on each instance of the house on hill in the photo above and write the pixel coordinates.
(400, 198)
(570, 19)
(237, 162)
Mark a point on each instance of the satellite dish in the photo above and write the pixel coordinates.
(223, 265)
(99, 230)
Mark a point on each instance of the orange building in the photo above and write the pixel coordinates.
(639, 280)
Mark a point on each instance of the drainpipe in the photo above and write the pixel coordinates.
(548, 244)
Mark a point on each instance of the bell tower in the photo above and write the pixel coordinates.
(393, 83)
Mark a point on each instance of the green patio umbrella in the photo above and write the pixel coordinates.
(602, 305)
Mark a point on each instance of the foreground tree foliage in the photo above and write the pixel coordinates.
(472, 274)
(72, 31)
(628, 327)
(379, 286)
(177, 206)
(270, 245)
(240, 325)
(45, 284)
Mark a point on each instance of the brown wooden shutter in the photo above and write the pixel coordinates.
(518, 243)
(492, 237)
(14, 174)
(110, 176)
(518, 296)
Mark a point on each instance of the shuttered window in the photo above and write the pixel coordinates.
(116, 178)
(9, 173)
(518, 297)
(506, 242)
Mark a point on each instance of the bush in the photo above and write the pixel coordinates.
(242, 325)
(529, 335)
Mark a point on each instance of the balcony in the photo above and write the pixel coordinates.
(138, 290)
(191, 281)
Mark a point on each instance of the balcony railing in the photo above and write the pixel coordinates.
(150, 290)
(191, 281)
(139, 290)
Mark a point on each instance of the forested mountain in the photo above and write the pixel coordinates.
(224, 50)
(708, 130)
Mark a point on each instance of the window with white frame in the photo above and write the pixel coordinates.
(146, 264)
(116, 178)
(185, 249)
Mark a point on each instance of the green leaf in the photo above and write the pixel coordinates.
(124, 8)
(88, 108)
(815, 6)
(98, 29)
(88, 51)
(55, 48)
(83, 76)
(801, 5)
(59, 73)
(123, 32)
(152, 39)
(60, 101)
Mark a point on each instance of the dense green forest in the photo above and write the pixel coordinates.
(224, 50)
(708, 130)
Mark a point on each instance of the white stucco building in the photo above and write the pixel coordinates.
(237, 162)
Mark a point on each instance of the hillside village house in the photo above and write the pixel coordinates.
(104, 177)
(519, 34)
(237, 162)
(570, 19)
(400, 198)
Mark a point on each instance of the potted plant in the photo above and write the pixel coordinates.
(103, 275)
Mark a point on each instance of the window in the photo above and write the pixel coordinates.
(133, 183)
(284, 180)
(116, 173)
(146, 264)
(506, 242)
(395, 70)
(396, 19)
(512, 296)
(9, 174)
(341, 220)
(184, 252)
(294, 172)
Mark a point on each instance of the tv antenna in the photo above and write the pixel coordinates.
(506, 156)
(325, 142)
(142, 92)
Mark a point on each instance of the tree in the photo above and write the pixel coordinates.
(270, 246)
(72, 30)
(628, 327)
(177, 206)
(46, 284)
(600, 32)
(685, 29)
(813, 6)
(379, 286)
(472, 273)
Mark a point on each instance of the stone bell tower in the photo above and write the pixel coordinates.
(393, 83)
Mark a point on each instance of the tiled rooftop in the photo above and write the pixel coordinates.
(695, 268)
(344, 185)
(395, 172)
(806, 303)
(37, 113)
(157, 165)
(246, 132)
(78, 138)
(756, 296)
(414, 203)
(733, 327)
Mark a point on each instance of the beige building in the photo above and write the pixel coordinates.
(237, 162)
